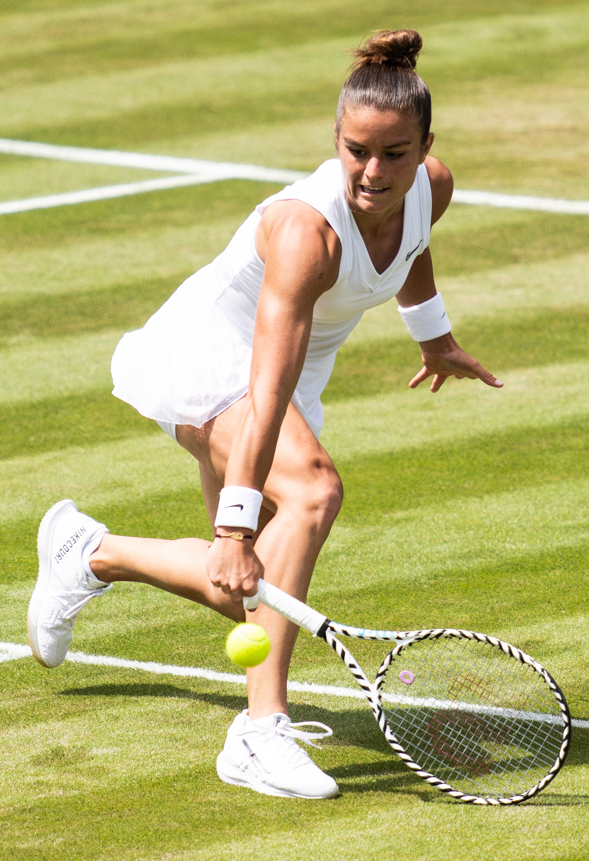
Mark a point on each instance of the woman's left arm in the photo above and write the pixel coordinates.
(442, 357)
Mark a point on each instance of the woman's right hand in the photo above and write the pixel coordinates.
(234, 567)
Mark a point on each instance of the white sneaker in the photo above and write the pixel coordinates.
(263, 755)
(66, 583)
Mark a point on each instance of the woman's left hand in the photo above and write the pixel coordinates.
(443, 358)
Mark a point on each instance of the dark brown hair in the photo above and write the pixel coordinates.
(383, 77)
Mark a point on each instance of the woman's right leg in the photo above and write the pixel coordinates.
(303, 492)
(302, 496)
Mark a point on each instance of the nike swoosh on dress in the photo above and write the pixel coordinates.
(414, 250)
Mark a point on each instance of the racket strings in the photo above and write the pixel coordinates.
(473, 716)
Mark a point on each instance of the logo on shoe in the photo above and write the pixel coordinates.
(71, 542)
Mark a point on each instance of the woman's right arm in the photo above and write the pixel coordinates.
(301, 253)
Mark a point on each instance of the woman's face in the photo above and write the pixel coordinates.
(380, 152)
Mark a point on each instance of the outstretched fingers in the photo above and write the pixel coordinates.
(437, 382)
(473, 370)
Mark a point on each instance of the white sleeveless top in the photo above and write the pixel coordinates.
(192, 359)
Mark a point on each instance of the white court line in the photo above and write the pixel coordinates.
(14, 651)
(109, 192)
(210, 171)
(521, 201)
(144, 161)
(115, 158)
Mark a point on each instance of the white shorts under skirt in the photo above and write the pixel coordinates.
(169, 428)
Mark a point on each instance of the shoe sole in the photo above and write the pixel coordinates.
(236, 778)
(44, 536)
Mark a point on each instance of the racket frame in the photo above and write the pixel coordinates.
(320, 626)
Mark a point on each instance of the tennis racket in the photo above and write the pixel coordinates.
(471, 715)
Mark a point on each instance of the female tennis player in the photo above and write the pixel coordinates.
(233, 366)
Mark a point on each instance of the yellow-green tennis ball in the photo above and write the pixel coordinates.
(248, 645)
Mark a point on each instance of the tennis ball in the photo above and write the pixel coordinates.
(248, 645)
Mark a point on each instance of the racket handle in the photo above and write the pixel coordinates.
(289, 607)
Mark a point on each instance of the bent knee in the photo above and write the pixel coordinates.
(316, 494)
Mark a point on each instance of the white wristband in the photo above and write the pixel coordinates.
(239, 506)
(427, 320)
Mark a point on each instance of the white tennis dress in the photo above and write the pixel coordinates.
(192, 359)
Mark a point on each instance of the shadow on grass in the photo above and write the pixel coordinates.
(559, 800)
(155, 689)
(390, 776)
(354, 727)
(351, 727)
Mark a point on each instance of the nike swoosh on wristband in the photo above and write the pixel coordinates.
(235, 506)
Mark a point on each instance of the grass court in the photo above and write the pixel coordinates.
(466, 509)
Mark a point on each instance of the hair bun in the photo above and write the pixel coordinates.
(390, 48)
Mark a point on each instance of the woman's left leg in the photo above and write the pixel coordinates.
(176, 566)
(302, 496)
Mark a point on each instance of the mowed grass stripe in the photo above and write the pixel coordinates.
(65, 44)
(122, 306)
(103, 472)
(26, 177)
(93, 416)
(37, 369)
(80, 49)
(84, 419)
(503, 342)
(274, 75)
(123, 37)
(131, 468)
(207, 114)
(201, 206)
(377, 485)
(299, 76)
(97, 263)
(527, 338)
(469, 242)
(475, 240)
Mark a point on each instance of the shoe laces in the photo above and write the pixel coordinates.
(73, 611)
(293, 731)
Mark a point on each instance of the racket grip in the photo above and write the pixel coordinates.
(289, 607)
